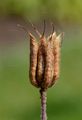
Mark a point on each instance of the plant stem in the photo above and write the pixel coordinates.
(43, 104)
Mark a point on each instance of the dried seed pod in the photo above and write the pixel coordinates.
(41, 61)
(48, 69)
(56, 52)
(33, 60)
(44, 60)
(49, 59)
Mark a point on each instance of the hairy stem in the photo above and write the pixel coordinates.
(43, 104)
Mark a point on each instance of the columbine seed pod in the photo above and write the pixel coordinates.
(41, 61)
(44, 60)
(33, 60)
(44, 64)
(57, 40)
(49, 70)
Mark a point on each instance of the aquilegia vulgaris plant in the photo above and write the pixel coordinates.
(44, 63)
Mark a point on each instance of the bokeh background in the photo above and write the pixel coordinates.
(19, 100)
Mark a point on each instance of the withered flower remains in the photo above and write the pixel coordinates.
(44, 60)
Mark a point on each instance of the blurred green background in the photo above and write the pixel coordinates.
(64, 10)
(19, 100)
